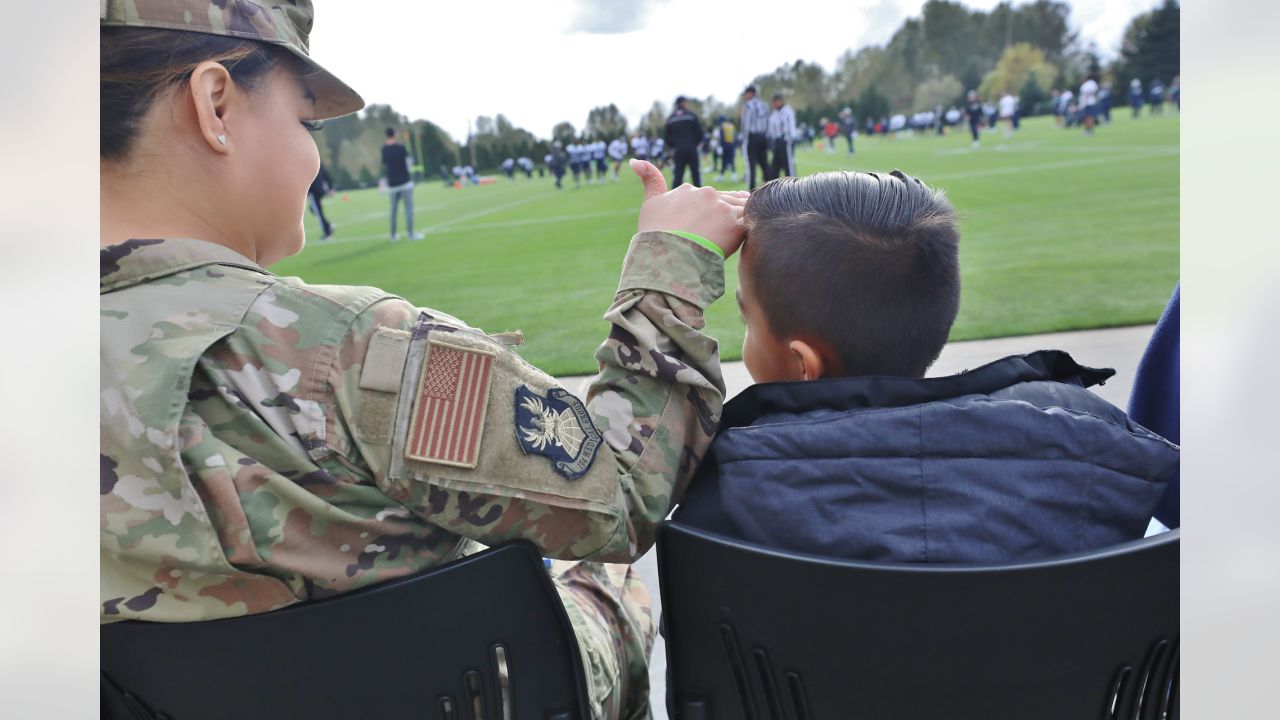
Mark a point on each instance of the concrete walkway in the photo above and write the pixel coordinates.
(1119, 348)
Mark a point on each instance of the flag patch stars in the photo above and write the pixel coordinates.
(557, 426)
(450, 406)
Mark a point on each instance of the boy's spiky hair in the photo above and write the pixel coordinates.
(864, 263)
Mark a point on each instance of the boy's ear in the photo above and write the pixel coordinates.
(807, 361)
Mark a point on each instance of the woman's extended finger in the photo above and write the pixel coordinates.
(733, 199)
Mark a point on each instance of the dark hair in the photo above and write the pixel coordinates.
(391, 132)
(750, 89)
(864, 262)
(138, 64)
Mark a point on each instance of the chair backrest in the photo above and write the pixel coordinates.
(483, 637)
(760, 634)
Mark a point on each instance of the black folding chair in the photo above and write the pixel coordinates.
(765, 635)
(485, 636)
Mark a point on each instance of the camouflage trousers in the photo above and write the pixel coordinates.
(612, 615)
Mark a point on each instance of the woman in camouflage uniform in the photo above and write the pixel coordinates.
(265, 441)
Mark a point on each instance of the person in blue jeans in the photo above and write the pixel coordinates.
(848, 285)
(395, 163)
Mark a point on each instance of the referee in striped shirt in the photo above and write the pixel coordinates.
(781, 130)
(755, 126)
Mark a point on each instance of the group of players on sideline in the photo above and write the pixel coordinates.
(1087, 108)
(687, 146)
(764, 131)
(766, 136)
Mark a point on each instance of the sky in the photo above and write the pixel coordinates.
(542, 62)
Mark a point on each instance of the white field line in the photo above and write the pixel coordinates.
(454, 225)
(385, 212)
(1035, 146)
(488, 211)
(429, 229)
(339, 240)
(1014, 170)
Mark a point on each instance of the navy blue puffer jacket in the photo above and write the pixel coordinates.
(1015, 460)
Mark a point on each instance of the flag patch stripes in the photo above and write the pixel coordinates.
(450, 407)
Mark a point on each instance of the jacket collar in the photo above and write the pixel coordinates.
(887, 392)
(137, 261)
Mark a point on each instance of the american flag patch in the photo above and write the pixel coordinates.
(448, 414)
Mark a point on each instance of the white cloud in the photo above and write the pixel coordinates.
(607, 17)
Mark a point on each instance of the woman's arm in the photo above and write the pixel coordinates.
(469, 437)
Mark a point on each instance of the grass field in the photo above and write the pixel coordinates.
(1059, 231)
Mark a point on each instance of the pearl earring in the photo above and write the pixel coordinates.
(222, 139)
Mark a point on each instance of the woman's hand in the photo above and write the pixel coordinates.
(714, 215)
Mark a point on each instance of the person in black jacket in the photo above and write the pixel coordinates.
(320, 188)
(849, 285)
(973, 109)
(683, 134)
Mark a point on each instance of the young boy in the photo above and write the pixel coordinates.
(848, 284)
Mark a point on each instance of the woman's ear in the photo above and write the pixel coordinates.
(211, 90)
(807, 362)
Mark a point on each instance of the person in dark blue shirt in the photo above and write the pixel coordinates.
(1135, 96)
(973, 109)
(849, 125)
(395, 165)
(848, 285)
(1156, 97)
(556, 160)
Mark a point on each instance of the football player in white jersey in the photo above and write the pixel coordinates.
(658, 153)
(640, 147)
(576, 163)
(597, 155)
(618, 153)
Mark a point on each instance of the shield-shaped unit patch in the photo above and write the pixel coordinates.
(557, 426)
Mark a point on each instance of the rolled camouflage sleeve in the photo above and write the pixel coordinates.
(580, 480)
(659, 392)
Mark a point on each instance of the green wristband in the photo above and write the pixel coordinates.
(700, 240)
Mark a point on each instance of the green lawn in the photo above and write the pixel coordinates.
(1059, 231)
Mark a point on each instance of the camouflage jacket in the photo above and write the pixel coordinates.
(265, 441)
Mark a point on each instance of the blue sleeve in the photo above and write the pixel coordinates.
(1155, 402)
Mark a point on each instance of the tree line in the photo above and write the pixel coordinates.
(930, 60)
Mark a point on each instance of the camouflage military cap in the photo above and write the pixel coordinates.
(286, 23)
